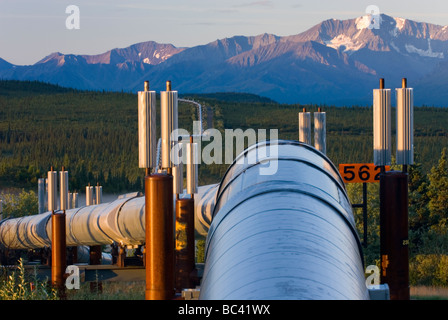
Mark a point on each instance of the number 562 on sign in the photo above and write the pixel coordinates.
(360, 172)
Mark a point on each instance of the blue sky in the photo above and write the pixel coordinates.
(30, 29)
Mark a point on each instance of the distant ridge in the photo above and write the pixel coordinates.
(16, 87)
(35, 87)
(335, 62)
(5, 64)
(231, 97)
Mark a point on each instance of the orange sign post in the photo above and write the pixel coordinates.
(361, 173)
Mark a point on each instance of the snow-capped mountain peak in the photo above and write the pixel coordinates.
(386, 34)
(368, 22)
(349, 44)
(400, 23)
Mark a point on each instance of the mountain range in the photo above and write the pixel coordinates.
(336, 62)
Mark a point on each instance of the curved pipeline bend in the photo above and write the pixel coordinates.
(288, 235)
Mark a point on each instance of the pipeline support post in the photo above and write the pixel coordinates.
(58, 229)
(394, 241)
(185, 248)
(58, 251)
(159, 224)
(120, 252)
(95, 255)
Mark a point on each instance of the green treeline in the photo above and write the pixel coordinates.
(92, 134)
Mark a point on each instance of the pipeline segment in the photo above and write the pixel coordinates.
(121, 221)
(289, 235)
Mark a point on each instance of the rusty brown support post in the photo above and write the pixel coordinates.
(121, 256)
(95, 254)
(394, 242)
(159, 229)
(72, 257)
(404, 83)
(185, 248)
(168, 85)
(58, 251)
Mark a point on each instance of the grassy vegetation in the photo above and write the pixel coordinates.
(20, 285)
(429, 293)
(109, 291)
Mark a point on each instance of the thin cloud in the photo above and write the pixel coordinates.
(225, 11)
(199, 23)
(263, 3)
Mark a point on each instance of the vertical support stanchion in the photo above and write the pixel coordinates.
(41, 195)
(364, 211)
(122, 256)
(95, 254)
(381, 126)
(394, 242)
(159, 224)
(184, 236)
(52, 190)
(405, 126)
(73, 255)
(99, 193)
(63, 189)
(159, 218)
(185, 250)
(75, 200)
(89, 195)
(192, 152)
(169, 124)
(70, 200)
(58, 251)
(305, 127)
(178, 171)
(147, 128)
(320, 131)
(185, 247)
(58, 230)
